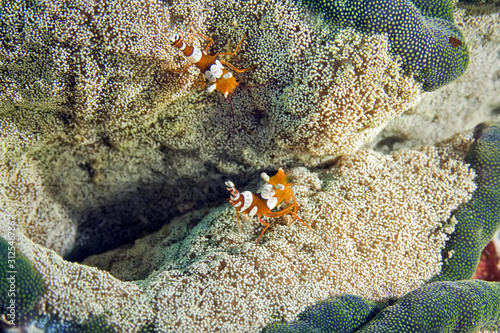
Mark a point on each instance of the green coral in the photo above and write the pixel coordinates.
(462, 306)
(343, 313)
(45, 323)
(445, 306)
(478, 219)
(25, 288)
(419, 32)
(19, 281)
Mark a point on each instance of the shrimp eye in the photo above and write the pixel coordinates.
(174, 38)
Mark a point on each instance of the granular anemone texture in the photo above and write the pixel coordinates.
(79, 293)
(24, 200)
(461, 105)
(343, 94)
(103, 72)
(114, 126)
(90, 69)
(320, 89)
(382, 242)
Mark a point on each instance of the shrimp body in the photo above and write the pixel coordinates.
(278, 186)
(274, 192)
(249, 203)
(210, 67)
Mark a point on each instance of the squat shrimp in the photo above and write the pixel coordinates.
(210, 68)
(274, 192)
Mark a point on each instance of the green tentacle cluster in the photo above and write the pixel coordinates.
(461, 306)
(448, 305)
(20, 284)
(421, 32)
(478, 219)
(343, 313)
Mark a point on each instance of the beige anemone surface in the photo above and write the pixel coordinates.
(100, 141)
(462, 104)
(122, 143)
(383, 241)
(76, 292)
(102, 73)
(94, 71)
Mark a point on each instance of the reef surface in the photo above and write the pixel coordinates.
(103, 146)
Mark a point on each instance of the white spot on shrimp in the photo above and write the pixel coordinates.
(216, 71)
(247, 200)
(271, 203)
(211, 88)
(267, 192)
(195, 56)
(209, 75)
(253, 211)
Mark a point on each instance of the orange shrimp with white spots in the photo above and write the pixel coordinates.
(210, 67)
(274, 192)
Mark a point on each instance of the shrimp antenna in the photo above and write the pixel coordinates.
(258, 85)
(335, 196)
(232, 112)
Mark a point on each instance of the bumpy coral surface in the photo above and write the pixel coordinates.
(336, 105)
(344, 313)
(462, 306)
(422, 33)
(123, 143)
(19, 281)
(465, 306)
(100, 142)
(470, 100)
(479, 219)
(203, 272)
(108, 75)
(383, 241)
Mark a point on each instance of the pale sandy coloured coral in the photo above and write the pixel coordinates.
(95, 83)
(471, 99)
(108, 74)
(385, 241)
(146, 125)
(204, 273)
